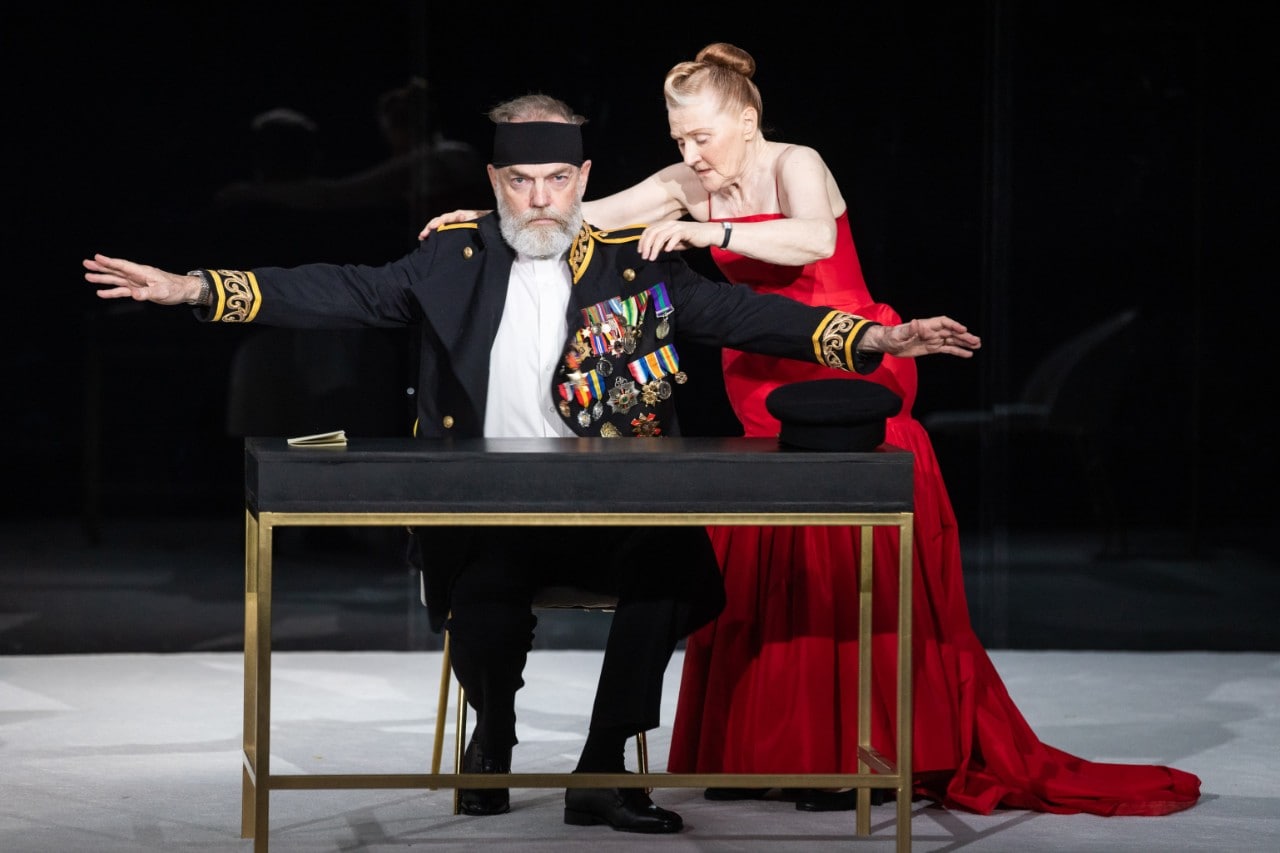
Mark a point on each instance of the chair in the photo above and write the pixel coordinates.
(551, 598)
(1073, 395)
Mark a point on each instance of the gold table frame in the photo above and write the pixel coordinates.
(875, 770)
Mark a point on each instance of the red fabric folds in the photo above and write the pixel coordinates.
(771, 685)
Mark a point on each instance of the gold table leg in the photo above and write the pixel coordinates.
(255, 796)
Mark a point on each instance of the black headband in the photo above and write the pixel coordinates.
(537, 142)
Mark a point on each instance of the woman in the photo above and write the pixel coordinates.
(766, 688)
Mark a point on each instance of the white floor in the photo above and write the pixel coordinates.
(130, 752)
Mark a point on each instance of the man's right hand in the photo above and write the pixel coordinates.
(118, 278)
(449, 219)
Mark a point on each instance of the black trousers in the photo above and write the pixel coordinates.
(667, 583)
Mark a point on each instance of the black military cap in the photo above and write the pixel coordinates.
(833, 414)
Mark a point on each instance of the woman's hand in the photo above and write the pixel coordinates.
(449, 218)
(678, 235)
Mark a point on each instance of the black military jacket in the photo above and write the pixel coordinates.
(620, 363)
(620, 366)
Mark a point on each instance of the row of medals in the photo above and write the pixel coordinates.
(621, 339)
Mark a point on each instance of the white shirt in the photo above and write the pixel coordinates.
(526, 351)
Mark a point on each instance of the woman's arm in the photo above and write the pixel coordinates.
(658, 198)
(809, 199)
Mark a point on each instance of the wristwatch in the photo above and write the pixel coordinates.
(202, 298)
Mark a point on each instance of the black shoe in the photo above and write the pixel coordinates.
(624, 809)
(724, 794)
(482, 802)
(811, 800)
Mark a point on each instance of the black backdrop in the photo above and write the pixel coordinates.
(1026, 167)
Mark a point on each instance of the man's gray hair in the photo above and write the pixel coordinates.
(534, 107)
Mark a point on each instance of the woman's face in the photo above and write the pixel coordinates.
(712, 141)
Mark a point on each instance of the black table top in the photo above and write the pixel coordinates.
(573, 475)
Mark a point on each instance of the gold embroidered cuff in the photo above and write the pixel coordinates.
(835, 343)
(234, 298)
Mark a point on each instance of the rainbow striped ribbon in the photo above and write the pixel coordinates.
(655, 365)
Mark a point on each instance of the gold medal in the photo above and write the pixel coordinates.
(646, 426)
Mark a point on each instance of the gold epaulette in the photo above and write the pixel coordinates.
(583, 248)
(629, 234)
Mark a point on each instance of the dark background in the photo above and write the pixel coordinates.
(1028, 168)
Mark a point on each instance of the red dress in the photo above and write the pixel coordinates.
(771, 685)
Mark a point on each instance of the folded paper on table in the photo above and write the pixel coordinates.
(337, 438)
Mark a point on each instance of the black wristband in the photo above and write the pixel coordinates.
(728, 232)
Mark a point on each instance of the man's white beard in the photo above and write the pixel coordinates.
(540, 241)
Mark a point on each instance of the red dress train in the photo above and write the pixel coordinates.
(771, 685)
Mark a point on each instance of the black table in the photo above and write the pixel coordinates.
(668, 481)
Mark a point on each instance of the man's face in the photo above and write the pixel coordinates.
(540, 205)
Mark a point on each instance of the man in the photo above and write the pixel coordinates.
(534, 324)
